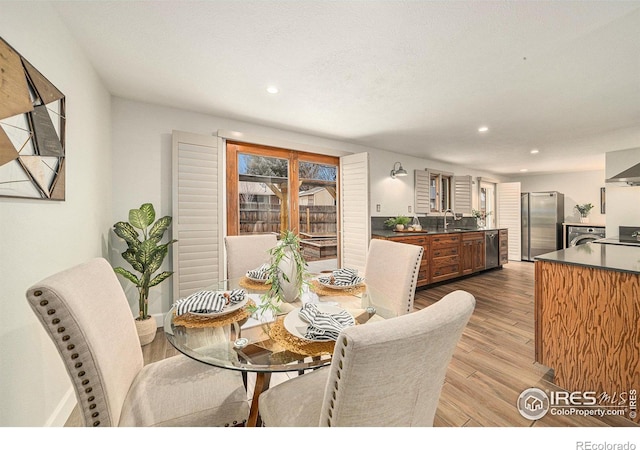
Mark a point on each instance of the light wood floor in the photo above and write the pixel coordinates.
(493, 363)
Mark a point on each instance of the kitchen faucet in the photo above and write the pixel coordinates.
(444, 217)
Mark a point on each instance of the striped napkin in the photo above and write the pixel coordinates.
(324, 326)
(343, 277)
(260, 273)
(208, 302)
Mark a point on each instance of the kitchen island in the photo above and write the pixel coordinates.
(453, 253)
(587, 317)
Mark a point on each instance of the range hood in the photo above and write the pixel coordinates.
(630, 176)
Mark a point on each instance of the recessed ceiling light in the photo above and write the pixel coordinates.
(272, 90)
(523, 170)
(483, 129)
(534, 151)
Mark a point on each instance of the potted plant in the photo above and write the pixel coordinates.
(145, 254)
(286, 274)
(398, 222)
(481, 217)
(584, 212)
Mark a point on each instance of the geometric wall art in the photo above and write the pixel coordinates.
(32, 131)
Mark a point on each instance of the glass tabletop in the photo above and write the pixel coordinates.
(262, 342)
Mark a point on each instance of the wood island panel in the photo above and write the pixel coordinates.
(588, 326)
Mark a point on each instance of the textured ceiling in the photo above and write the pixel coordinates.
(414, 77)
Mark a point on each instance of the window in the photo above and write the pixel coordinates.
(272, 189)
(439, 191)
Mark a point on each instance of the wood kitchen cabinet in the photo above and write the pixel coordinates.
(504, 247)
(473, 256)
(449, 255)
(445, 257)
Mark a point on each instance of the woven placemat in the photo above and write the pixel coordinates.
(294, 344)
(253, 285)
(323, 290)
(196, 321)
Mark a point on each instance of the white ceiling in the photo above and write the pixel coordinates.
(414, 77)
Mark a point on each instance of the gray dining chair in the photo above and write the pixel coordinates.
(392, 270)
(386, 373)
(86, 314)
(247, 252)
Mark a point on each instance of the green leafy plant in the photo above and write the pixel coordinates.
(398, 220)
(144, 253)
(480, 214)
(288, 247)
(584, 209)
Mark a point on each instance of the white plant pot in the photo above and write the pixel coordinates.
(146, 330)
(290, 289)
(399, 227)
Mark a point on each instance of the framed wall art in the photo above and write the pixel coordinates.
(32, 127)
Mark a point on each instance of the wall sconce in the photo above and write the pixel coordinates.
(399, 172)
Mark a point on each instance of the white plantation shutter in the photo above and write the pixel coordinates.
(422, 191)
(355, 224)
(197, 212)
(508, 216)
(462, 194)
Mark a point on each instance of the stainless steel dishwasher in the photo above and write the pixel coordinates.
(492, 248)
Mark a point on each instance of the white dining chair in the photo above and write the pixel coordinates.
(247, 252)
(387, 373)
(87, 316)
(392, 270)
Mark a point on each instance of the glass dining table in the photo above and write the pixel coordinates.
(268, 342)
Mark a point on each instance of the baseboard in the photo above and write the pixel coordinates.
(159, 319)
(64, 409)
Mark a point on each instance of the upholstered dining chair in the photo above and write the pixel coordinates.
(86, 314)
(386, 373)
(392, 269)
(247, 252)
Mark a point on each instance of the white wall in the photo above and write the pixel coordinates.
(37, 237)
(577, 187)
(623, 202)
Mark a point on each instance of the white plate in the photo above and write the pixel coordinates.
(298, 327)
(341, 287)
(226, 309)
(257, 280)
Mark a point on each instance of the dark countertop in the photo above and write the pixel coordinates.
(620, 258)
(391, 233)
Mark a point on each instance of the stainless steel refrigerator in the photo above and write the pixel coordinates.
(542, 217)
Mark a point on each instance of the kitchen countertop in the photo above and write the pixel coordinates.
(391, 233)
(619, 258)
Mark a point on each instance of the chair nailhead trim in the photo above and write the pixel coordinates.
(66, 337)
